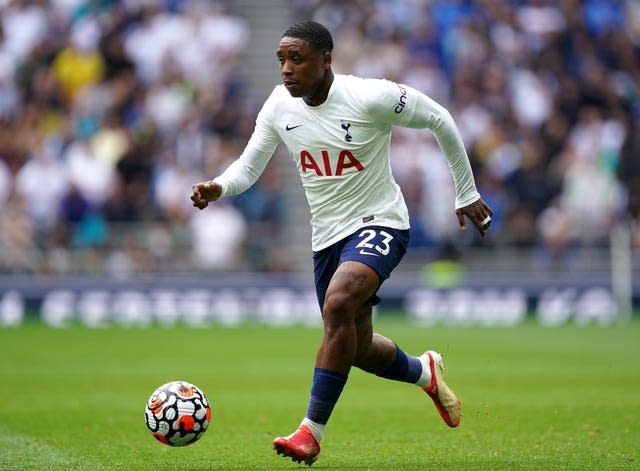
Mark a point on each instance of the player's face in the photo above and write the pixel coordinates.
(304, 69)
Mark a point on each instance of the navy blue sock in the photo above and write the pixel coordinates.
(405, 368)
(325, 390)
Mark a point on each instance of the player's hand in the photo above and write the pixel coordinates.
(478, 213)
(205, 192)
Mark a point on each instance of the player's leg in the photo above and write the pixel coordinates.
(347, 298)
(350, 287)
(346, 283)
(381, 356)
(374, 353)
(347, 275)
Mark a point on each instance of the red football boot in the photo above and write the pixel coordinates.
(444, 398)
(300, 446)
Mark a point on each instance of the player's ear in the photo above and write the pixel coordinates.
(326, 60)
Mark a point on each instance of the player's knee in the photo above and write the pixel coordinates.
(339, 307)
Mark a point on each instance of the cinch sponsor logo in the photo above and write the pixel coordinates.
(402, 102)
(345, 160)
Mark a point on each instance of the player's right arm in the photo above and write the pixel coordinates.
(205, 192)
(240, 175)
(244, 171)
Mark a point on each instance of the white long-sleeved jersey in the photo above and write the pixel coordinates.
(341, 149)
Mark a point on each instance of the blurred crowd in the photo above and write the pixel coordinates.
(110, 111)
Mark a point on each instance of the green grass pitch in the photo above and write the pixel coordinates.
(533, 398)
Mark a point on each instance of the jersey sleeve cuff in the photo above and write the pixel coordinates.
(220, 182)
(461, 202)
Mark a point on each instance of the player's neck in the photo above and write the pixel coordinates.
(322, 92)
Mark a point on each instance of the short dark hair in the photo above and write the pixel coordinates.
(312, 32)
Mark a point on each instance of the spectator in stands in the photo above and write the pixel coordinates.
(80, 63)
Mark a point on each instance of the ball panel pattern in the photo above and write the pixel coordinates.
(177, 413)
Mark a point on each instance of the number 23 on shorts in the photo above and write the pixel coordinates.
(374, 242)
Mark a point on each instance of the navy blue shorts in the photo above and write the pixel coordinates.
(379, 247)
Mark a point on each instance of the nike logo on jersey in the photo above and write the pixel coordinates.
(364, 252)
(289, 128)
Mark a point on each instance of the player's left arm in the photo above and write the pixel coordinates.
(405, 106)
(430, 114)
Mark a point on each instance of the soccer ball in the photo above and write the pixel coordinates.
(177, 413)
